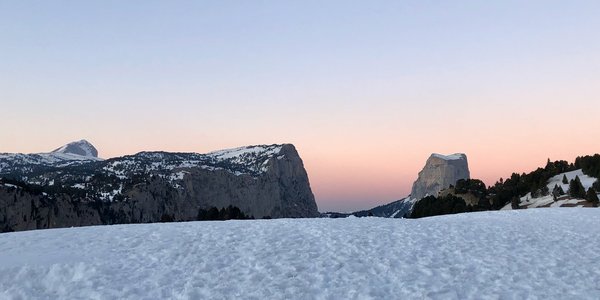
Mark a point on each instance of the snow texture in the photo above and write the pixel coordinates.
(245, 151)
(527, 254)
(454, 156)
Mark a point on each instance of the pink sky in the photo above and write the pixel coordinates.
(366, 92)
(351, 167)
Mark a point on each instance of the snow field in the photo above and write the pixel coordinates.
(586, 181)
(527, 254)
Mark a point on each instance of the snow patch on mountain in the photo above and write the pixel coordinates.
(250, 160)
(454, 156)
(248, 151)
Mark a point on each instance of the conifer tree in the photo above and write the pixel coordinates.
(592, 196)
(580, 187)
(576, 189)
(557, 191)
(515, 202)
(544, 191)
(565, 180)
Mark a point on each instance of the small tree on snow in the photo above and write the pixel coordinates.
(565, 180)
(557, 191)
(544, 191)
(592, 196)
(576, 189)
(515, 202)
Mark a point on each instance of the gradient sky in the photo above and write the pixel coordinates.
(366, 90)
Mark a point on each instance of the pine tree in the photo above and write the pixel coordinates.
(592, 196)
(565, 180)
(515, 202)
(557, 191)
(576, 189)
(544, 191)
(580, 187)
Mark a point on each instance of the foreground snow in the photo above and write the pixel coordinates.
(541, 253)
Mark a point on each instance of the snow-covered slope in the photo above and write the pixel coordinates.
(586, 181)
(45, 168)
(397, 209)
(528, 254)
(81, 148)
(249, 160)
(528, 201)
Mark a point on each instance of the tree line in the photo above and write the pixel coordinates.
(510, 190)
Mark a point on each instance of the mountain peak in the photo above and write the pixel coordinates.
(81, 147)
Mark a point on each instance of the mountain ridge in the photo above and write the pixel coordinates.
(261, 180)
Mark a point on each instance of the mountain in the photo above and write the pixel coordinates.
(81, 148)
(440, 172)
(544, 187)
(262, 181)
(75, 153)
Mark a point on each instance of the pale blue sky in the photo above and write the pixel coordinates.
(348, 82)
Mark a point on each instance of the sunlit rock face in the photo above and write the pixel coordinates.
(439, 173)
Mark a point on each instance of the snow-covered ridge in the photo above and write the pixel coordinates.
(269, 150)
(454, 156)
(243, 160)
(250, 160)
(10, 162)
(70, 154)
(46, 169)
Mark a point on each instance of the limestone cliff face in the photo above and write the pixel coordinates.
(282, 191)
(439, 173)
(263, 181)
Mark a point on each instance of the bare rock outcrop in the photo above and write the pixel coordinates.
(440, 172)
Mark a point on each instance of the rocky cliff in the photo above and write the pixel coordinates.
(439, 173)
(263, 181)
